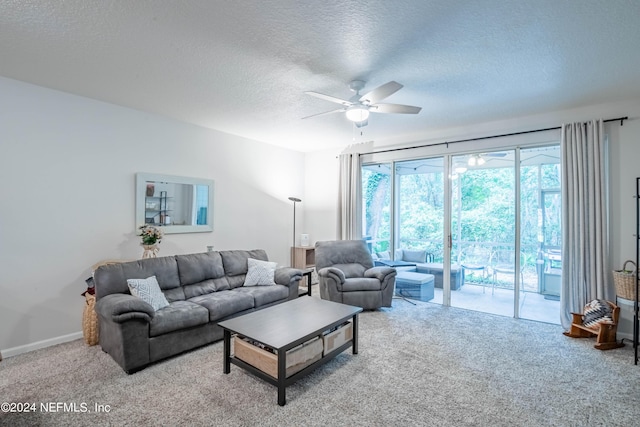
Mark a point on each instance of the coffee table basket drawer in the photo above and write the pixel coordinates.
(298, 357)
(335, 339)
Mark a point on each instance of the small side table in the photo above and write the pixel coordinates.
(306, 273)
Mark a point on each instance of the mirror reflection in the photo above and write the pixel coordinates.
(177, 204)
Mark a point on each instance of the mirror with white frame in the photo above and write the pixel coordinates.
(174, 203)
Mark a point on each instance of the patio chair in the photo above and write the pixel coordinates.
(476, 258)
(503, 261)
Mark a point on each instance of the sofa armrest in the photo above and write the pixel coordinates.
(380, 273)
(287, 276)
(123, 307)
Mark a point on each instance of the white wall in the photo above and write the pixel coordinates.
(320, 204)
(67, 173)
(322, 169)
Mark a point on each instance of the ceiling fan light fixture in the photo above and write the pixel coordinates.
(475, 160)
(357, 113)
(460, 169)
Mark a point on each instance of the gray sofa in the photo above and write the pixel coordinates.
(202, 290)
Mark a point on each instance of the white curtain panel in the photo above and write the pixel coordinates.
(585, 272)
(349, 198)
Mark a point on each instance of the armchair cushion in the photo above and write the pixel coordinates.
(355, 284)
(351, 270)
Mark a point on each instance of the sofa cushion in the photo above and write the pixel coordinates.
(235, 262)
(414, 256)
(224, 303)
(176, 316)
(111, 279)
(196, 268)
(175, 294)
(263, 295)
(164, 268)
(148, 290)
(260, 273)
(206, 287)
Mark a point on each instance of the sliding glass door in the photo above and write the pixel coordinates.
(541, 236)
(483, 230)
(485, 224)
(419, 206)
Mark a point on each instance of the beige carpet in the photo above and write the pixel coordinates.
(418, 365)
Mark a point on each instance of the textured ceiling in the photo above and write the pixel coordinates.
(242, 66)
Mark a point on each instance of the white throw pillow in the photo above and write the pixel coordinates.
(148, 290)
(260, 273)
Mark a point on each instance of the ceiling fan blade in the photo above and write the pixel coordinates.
(340, 110)
(381, 92)
(329, 98)
(394, 108)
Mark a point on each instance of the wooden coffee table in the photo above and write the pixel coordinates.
(285, 326)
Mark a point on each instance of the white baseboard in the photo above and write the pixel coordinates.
(14, 351)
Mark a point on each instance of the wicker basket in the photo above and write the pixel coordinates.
(90, 320)
(625, 281)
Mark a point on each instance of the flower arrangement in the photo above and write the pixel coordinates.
(150, 234)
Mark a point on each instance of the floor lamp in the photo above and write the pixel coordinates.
(294, 200)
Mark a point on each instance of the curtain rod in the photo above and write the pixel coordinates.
(621, 119)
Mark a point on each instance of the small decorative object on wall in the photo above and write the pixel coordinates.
(151, 237)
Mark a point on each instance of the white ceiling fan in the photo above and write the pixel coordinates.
(357, 108)
(479, 159)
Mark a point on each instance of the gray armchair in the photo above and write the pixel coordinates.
(346, 275)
